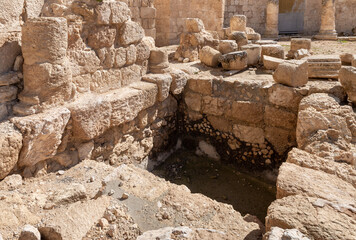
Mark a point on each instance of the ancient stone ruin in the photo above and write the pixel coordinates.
(167, 119)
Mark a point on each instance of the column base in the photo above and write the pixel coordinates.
(327, 35)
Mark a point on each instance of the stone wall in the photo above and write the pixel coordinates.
(144, 12)
(253, 122)
(171, 16)
(12, 15)
(255, 12)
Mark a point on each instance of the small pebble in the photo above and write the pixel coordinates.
(111, 192)
(124, 196)
(60, 172)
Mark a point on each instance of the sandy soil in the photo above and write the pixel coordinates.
(327, 47)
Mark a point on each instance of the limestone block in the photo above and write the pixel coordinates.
(101, 37)
(128, 102)
(307, 160)
(277, 233)
(239, 37)
(8, 93)
(273, 50)
(228, 46)
(103, 13)
(148, 12)
(104, 80)
(347, 76)
(53, 49)
(266, 42)
(42, 134)
(90, 117)
(249, 134)
(144, 49)
(57, 225)
(271, 63)
(131, 33)
(296, 180)
(292, 73)
(107, 57)
(10, 12)
(29, 232)
(238, 23)
(33, 8)
(245, 111)
(324, 66)
(280, 118)
(163, 82)
(158, 60)
(304, 213)
(120, 57)
(201, 85)
(301, 53)
(194, 25)
(254, 37)
(346, 58)
(10, 146)
(120, 12)
(179, 80)
(300, 43)
(130, 74)
(131, 54)
(209, 56)
(234, 60)
(49, 83)
(281, 139)
(284, 96)
(9, 50)
(83, 62)
(253, 53)
(193, 101)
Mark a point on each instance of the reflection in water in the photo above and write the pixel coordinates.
(247, 192)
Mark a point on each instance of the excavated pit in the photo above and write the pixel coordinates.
(249, 192)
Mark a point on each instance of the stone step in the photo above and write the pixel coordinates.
(324, 58)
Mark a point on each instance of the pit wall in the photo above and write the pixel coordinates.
(251, 122)
(127, 125)
(255, 12)
(171, 16)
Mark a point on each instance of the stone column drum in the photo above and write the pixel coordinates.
(272, 12)
(47, 75)
(327, 26)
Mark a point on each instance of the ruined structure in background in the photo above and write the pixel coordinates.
(89, 104)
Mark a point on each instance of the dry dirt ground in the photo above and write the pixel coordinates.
(327, 47)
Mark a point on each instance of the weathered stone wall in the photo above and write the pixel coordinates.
(12, 15)
(253, 120)
(171, 16)
(255, 12)
(144, 12)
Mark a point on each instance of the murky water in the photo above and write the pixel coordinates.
(247, 192)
